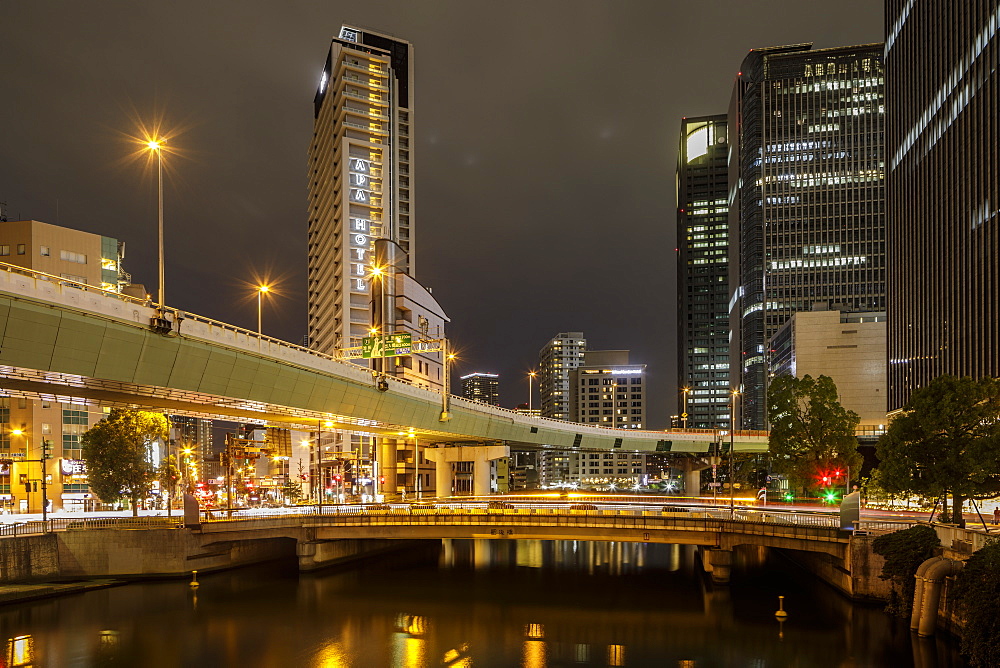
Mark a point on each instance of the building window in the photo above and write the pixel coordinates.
(44, 251)
(20, 249)
(4, 250)
(70, 256)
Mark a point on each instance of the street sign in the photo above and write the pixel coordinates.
(684, 415)
(389, 345)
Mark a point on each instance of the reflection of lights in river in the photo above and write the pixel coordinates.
(21, 651)
(332, 655)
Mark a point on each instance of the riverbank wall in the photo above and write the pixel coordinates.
(859, 575)
(168, 552)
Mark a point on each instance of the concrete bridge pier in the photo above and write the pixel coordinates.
(387, 457)
(479, 455)
(718, 563)
(692, 469)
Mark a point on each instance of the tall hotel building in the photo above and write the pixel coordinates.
(703, 271)
(943, 154)
(806, 216)
(559, 356)
(359, 179)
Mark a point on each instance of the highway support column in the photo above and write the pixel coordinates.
(479, 455)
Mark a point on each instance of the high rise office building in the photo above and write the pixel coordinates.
(561, 354)
(943, 155)
(482, 387)
(360, 180)
(806, 216)
(703, 272)
(605, 389)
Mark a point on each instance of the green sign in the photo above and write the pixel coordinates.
(389, 345)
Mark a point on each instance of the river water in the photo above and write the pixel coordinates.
(473, 603)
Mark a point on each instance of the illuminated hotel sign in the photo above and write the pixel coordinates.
(359, 177)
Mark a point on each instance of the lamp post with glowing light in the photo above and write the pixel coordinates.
(261, 291)
(732, 451)
(684, 413)
(156, 146)
(41, 460)
(531, 377)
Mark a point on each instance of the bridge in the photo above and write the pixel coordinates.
(321, 536)
(75, 342)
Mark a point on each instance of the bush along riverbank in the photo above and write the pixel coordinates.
(940, 589)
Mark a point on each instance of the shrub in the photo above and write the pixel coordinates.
(978, 593)
(904, 551)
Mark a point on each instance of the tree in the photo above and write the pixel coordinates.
(117, 453)
(168, 475)
(812, 435)
(946, 441)
(292, 490)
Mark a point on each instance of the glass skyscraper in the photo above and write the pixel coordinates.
(806, 215)
(703, 272)
(943, 154)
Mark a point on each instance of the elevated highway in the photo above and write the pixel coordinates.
(70, 342)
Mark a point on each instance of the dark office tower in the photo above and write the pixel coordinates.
(703, 272)
(360, 180)
(482, 387)
(943, 191)
(806, 217)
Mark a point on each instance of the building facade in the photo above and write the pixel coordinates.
(848, 347)
(943, 160)
(32, 430)
(606, 390)
(482, 387)
(556, 359)
(60, 251)
(703, 272)
(360, 180)
(806, 216)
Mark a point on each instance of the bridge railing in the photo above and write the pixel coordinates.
(35, 527)
(181, 316)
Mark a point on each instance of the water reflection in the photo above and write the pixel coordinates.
(487, 603)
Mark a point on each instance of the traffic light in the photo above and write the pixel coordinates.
(336, 478)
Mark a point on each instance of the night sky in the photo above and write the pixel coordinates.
(546, 136)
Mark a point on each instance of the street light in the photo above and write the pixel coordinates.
(531, 376)
(684, 413)
(41, 460)
(156, 146)
(261, 291)
(732, 451)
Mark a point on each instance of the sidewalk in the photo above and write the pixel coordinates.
(18, 593)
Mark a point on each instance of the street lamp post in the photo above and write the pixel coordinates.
(684, 412)
(732, 451)
(531, 377)
(156, 146)
(41, 461)
(261, 291)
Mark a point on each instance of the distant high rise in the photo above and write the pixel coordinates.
(555, 360)
(605, 389)
(703, 271)
(359, 179)
(195, 434)
(806, 215)
(482, 387)
(943, 159)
